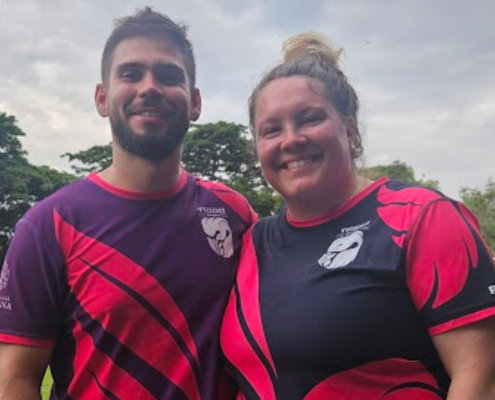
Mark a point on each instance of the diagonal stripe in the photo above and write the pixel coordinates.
(102, 290)
(241, 355)
(248, 285)
(128, 272)
(97, 374)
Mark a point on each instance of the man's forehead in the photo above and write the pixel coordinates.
(143, 48)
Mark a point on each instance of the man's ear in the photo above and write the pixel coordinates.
(101, 100)
(195, 111)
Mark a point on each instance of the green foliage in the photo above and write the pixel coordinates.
(96, 158)
(10, 145)
(400, 171)
(221, 151)
(482, 203)
(21, 183)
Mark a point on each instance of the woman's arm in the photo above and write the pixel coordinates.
(468, 354)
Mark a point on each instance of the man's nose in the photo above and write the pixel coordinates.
(149, 86)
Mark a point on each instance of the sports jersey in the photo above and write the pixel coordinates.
(129, 287)
(344, 306)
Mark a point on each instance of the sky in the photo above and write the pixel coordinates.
(424, 72)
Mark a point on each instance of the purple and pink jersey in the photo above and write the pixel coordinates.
(344, 306)
(129, 288)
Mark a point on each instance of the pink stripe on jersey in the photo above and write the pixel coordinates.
(465, 320)
(248, 284)
(25, 341)
(100, 366)
(239, 352)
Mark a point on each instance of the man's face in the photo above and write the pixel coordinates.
(148, 98)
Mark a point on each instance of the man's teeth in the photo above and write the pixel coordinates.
(150, 114)
(299, 163)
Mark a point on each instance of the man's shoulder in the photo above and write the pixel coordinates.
(225, 194)
(67, 196)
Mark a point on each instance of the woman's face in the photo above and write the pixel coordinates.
(302, 142)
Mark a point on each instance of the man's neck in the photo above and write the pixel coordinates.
(137, 174)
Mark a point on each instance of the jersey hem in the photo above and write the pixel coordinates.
(462, 321)
(25, 341)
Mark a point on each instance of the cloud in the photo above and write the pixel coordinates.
(423, 71)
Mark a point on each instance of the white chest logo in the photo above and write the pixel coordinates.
(4, 276)
(219, 235)
(342, 251)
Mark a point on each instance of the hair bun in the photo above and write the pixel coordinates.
(310, 45)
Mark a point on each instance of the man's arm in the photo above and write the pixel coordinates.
(468, 354)
(21, 371)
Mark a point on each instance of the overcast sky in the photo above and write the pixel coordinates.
(424, 71)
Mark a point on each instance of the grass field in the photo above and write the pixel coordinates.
(46, 385)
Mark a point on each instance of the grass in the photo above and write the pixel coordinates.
(46, 385)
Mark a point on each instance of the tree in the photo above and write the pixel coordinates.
(482, 203)
(400, 171)
(21, 184)
(96, 158)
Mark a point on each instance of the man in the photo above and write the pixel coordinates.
(119, 280)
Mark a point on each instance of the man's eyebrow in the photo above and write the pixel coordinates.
(173, 68)
(163, 67)
(127, 65)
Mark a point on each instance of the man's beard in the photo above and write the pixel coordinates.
(154, 145)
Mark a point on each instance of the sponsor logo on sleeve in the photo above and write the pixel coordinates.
(217, 229)
(345, 248)
(491, 288)
(4, 281)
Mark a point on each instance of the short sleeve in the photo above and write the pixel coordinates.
(449, 269)
(32, 292)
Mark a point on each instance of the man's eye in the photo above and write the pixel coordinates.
(130, 75)
(170, 78)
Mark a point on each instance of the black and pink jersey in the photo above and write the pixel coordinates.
(130, 288)
(344, 306)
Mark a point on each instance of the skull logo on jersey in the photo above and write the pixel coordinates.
(219, 235)
(342, 251)
(4, 276)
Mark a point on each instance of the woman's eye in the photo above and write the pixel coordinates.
(312, 119)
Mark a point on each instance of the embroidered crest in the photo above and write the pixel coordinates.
(342, 251)
(219, 235)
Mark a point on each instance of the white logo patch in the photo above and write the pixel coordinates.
(219, 235)
(491, 288)
(342, 251)
(4, 276)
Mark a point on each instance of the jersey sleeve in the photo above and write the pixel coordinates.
(31, 288)
(449, 270)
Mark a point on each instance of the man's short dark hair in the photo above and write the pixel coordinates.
(149, 23)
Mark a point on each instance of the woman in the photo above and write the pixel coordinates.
(359, 290)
